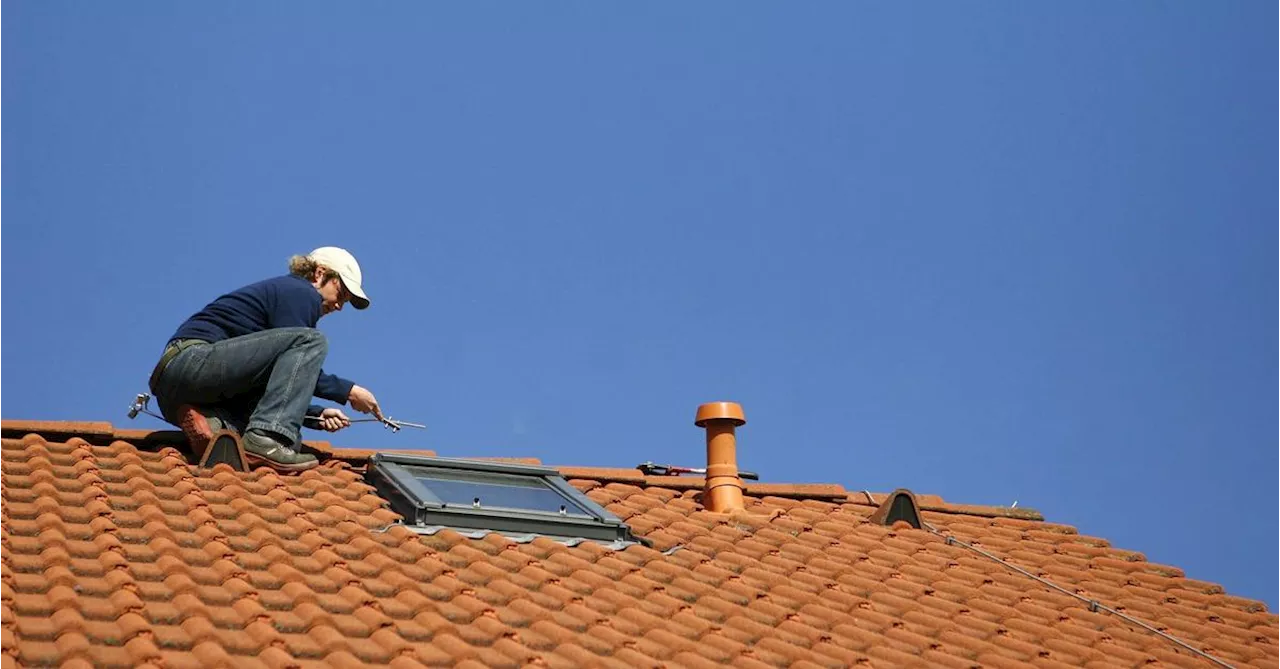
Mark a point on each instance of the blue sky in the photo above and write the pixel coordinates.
(992, 251)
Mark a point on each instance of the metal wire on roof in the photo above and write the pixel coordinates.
(1094, 605)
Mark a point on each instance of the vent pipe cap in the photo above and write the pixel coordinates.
(731, 411)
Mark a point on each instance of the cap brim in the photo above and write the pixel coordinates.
(358, 299)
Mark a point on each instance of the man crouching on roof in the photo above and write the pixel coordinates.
(251, 361)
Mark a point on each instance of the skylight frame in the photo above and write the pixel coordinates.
(393, 475)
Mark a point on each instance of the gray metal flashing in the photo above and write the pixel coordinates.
(616, 545)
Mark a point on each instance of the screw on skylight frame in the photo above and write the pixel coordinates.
(475, 504)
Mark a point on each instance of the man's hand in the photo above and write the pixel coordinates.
(332, 420)
(363, 401)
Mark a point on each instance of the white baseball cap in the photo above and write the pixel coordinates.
(342, 262)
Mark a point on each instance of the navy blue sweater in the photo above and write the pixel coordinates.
(280, 302)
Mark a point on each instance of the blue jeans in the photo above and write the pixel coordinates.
(260, 381)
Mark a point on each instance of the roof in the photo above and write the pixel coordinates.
(118, 552)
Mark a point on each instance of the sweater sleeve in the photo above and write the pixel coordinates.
(313, 411)
(333, 387)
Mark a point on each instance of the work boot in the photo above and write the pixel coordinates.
(260, 448)
(196, 428)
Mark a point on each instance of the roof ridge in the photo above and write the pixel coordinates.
(833, 492)
(823, 491)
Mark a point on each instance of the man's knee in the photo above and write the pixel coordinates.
(309, 337)
(313, 338)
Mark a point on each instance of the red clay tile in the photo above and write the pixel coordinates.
(763, 658)
(936, 658)
(894, 657)
(1071, 649)
(170, 559)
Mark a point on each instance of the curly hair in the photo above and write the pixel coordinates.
(305, 267)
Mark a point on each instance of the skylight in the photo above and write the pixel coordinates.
(497, 496)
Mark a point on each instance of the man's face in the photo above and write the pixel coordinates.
(333, 296)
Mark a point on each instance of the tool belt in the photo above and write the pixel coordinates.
(171, 351)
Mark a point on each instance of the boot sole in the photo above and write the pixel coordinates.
(254, 459)
(196, 429)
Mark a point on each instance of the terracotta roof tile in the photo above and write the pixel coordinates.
(117, 552)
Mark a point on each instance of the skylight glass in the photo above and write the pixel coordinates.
(495, 490)
(502, 497)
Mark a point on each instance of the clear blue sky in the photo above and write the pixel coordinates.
(993, 251)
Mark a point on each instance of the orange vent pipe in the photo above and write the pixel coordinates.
(723, 491)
